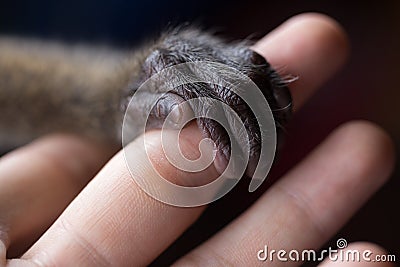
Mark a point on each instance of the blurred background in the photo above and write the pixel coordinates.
(367, 88)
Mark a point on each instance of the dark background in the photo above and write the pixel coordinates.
(367, 88)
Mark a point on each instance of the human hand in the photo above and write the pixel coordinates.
(112, 222)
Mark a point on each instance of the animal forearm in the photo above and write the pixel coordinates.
(52, 87)
(47, 87)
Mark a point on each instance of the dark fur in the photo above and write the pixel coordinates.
(51, 87)
(190, 45)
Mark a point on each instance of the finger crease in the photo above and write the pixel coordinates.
(302, 202)
(97, 257)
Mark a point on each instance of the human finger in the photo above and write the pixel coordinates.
(125, 198)
(359, 254)
(39, 180)
(307, 206)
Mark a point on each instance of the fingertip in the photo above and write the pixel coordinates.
(373, 150)
(362, 245)
(311, 46)
(329, 29)
(369, 255)
(319, 27)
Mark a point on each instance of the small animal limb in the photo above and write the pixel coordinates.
(47, 87)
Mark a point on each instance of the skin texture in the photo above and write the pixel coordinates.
(113, 223)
